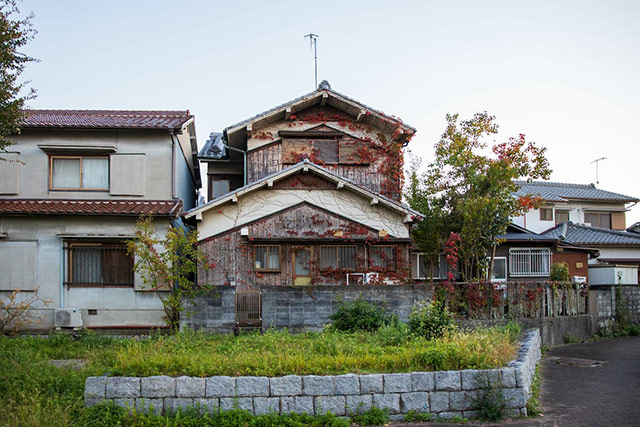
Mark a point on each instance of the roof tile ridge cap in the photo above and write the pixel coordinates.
(606, 230)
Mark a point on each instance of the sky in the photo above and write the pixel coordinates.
(564, 73)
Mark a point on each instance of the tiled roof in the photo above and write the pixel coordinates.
(213, 149)
(560, 192)
(106, 119)
(171, 208)
(525, 237)
(587, 235)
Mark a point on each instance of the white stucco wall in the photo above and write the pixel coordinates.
(115, 306)
(531, 220)
(264, 202)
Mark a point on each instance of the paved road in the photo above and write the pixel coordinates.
(572, 395)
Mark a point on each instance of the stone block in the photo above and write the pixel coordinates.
(158, 386)
(347, 384)
(415, 401)
(371, 383)
(297, 404)
(120, 387)
(449, 415)
(266, 405)
(515, 397)
(252, 386)
(125, 402)
(390, 401)
(333, 404)
(91, 401)
(229, 403)
(358, 404)
(314, 385)
(174, 404)
(95, 387)
(448, 380)
(397, 383)
(290, 385)
(462, 400)
(508, 377)
(149, 406)
(209, 405)
(220, 387)
(439, 401)
(473, 379)
(493, 377)
(190, 387)
(470, 414)
(422, 381)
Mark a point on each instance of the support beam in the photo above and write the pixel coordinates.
(361, 115)
(199, 216)
(270, 184)
(340, 185)
(305, 169)
(408, 218)
(323, 101)
(249, 129)
(234, 199)
(374, 201)
(287, 113)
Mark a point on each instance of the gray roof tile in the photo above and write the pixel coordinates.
(587, 235)
(560, 192)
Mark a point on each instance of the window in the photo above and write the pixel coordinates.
(79, 173)
(220, 187)
(98, 263)
(499, 273)
(562, 216)
(338, 257)
(420, 267)
(382, 258)
(598, 219)
(267, 258)
(529, 262)
(546, 214)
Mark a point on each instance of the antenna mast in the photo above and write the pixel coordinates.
(596, 161)
(313, 44)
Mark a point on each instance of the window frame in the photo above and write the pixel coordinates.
(267, 270)
(562, 211)
(417, 275)
(78, 157)
(546, 209)
(506, 268)
(338, 266)
(514, 271)
(599, 213)
(383, 268)
(69, 245)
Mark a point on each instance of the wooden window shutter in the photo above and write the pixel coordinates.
(326, 150)
(618, 221)
(294, 150)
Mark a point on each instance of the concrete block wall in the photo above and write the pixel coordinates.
(214, 311)
(605, 297)
(443, 393)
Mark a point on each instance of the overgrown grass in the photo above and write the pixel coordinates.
(35, 393)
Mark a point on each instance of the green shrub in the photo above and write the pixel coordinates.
(490, 405)
(559, 272)
(393, 334)
(431, 320)
(418, 417)
(372, 417)
(359, 315)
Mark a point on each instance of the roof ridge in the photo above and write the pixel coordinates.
(555, 183)
(605, 230)
(111, 112)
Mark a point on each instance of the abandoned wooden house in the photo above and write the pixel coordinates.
(307, 193)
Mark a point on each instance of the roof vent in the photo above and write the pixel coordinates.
(324, 85)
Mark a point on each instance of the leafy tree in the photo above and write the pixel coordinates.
(474, 188)
(14, 34)
(168, 265)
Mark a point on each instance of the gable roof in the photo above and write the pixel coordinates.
(306, 166)
(562, 192)
(588, 235)
(106, 119)
(214, 148)
(171, 208)
(333, 98)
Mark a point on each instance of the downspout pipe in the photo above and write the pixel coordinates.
(62, 264)
(173, 164)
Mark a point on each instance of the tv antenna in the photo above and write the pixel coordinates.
(596, 161)
(313, 44)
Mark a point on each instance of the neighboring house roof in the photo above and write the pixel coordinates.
(562, 192)
(587, 235)
(106, 119)
(525, 237)
(634, 228)
(214, 148)
(312, 98)
(305, 166)
(171, 208)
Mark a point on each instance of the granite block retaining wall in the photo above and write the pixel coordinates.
(444, 393)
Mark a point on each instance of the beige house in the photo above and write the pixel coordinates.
(70, 193)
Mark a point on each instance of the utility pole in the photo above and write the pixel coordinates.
(313, 44)
(596, 161)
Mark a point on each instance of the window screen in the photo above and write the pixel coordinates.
(267, 258)
(383, 257)
(338, 257)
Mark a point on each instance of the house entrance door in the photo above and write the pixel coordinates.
(301, 265)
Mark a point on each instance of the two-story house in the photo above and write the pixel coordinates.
(307, 193)
(73, 187)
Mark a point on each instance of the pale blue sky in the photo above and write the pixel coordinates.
(565, 73)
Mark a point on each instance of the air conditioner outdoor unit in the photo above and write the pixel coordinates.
(68, 318)
(579, 279)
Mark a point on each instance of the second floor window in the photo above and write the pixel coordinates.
(598, 219)
(562, 216)
(79, 173)
(546, 214)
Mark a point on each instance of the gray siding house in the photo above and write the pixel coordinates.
(70, 193)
